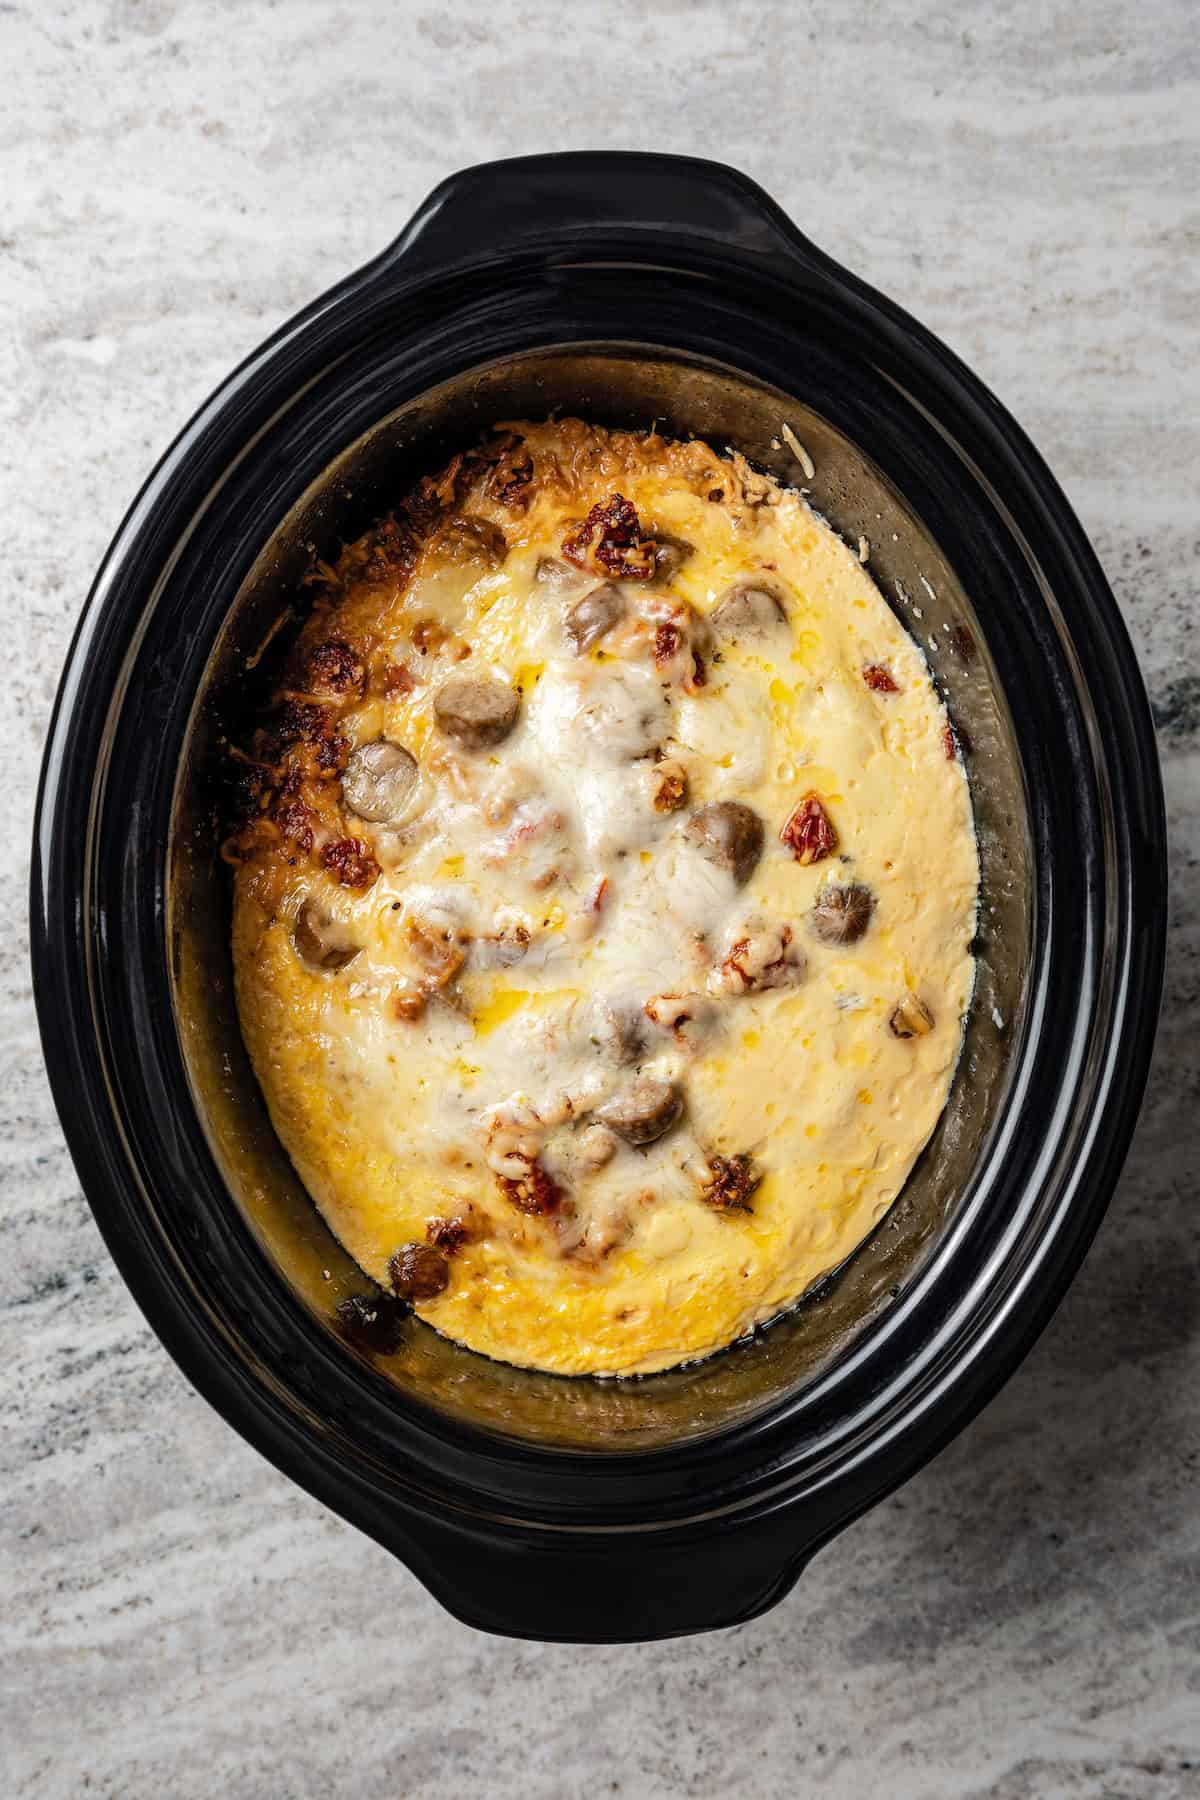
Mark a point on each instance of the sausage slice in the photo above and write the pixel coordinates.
(618, 1030)
(747, 611)
(378, 781)
(643, 1111)
(475, 712)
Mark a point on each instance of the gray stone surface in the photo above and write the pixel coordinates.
(1024, 1618)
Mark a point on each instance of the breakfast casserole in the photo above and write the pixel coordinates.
(604, 893)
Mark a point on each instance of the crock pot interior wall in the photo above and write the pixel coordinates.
(616, 385)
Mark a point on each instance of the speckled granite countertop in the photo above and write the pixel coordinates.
(1023, 1619)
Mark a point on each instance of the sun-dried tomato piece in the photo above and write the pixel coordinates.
(809, 833)
(441, 950)
(350, 862)
(436, 494)
(333, 753)
(879, 678)
(391, 549)
(409, 1002)
(295, 821)
(611, 538)
(428, 635)
(730, 1182)
(669, 786)
(448, 1233)
(533, 1192)
(334, 668)
(513, 491)
(511, 476)
(667, 639)
(956, 740)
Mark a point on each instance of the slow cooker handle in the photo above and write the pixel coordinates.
(599, 205)
(606, 1588)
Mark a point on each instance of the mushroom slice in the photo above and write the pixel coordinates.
(557, 576)
(322, 942)
(747, 611)
(670, 554)
(911, 1018)
(469, 538)
(592, 616)
(840, 915)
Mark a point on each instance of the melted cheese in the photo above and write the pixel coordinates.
(570, 894)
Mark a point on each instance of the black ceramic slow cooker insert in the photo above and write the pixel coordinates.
(627, 289)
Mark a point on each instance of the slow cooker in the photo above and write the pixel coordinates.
(629, 289)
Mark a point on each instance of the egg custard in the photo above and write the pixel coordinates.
(605, 884)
